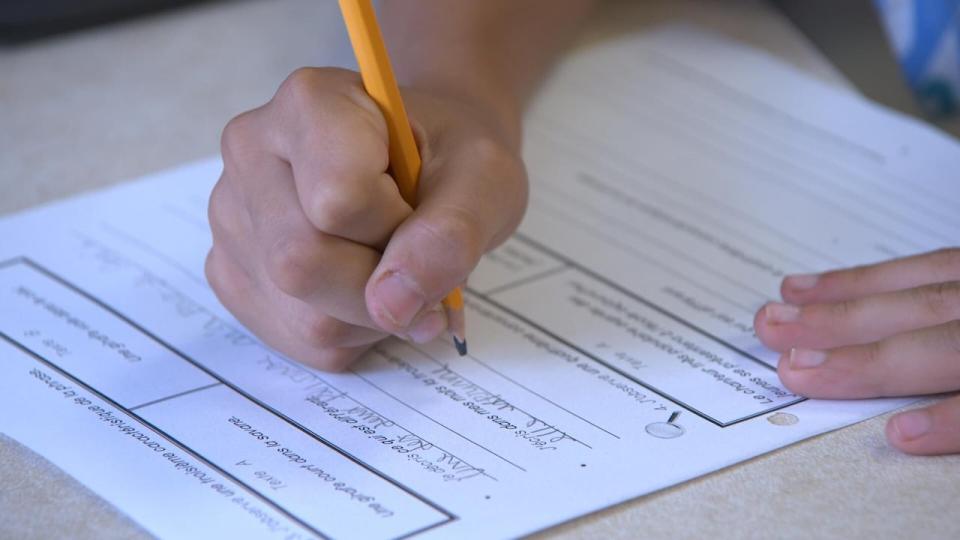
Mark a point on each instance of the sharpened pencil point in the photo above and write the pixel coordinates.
(456, 323)
(461, 345)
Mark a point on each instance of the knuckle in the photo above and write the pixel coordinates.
(871, 373)
(215, 209)
(841, 310)
(323, 332)
(845, 277)
(856, 274)
(212, 272)
(872, 353)
(236, 139)
(229, 284)
(951, 337)
(300, 87)
(218, 211)
(370, 120)
(291, 265)
(946, 263)
(337, 206)
(940, 300)
(326, 96)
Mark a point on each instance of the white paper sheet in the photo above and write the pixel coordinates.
(676, 179)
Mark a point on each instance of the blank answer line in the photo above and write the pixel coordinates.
(656, 241)
(181, 394)
(871, 196)
(428, 417)
(687, 72)
(639, 170)
(514, 381)
(707, 147)
(678, 67)
(601, 187)
(918, 201)
(560, 215)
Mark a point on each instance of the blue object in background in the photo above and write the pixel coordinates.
(925, 34)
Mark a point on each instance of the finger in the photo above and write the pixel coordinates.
(919, 362)
(225, 213)
(247, 291)
(466, 207)
(230, 224)
(904, 273)
(326, 271)
(286, 317)
(292, 329)
(857, 321)
(338, 151)
(928, 431)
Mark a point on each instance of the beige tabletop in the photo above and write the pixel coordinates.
(94, 108)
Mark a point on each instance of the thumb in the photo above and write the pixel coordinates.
(466, 207)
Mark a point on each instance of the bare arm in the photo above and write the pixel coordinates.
(492, 52)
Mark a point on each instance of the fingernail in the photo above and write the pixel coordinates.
(781, 313)
(802, 282)
(806, 358)
(912, 424)
(429, 326)
(400, 298)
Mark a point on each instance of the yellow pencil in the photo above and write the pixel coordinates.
(381, 85)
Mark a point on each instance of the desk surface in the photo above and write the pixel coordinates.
(94, 108)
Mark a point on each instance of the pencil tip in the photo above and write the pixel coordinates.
(461, 345)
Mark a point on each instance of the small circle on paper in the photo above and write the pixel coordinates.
(782, 419)
(665, 430)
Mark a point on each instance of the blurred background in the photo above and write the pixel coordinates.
(850, 33)
(94, 92)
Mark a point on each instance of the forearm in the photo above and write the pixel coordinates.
(491, 53)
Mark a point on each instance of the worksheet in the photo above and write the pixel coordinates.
(676, 178)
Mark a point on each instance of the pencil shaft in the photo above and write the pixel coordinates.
(381, 84)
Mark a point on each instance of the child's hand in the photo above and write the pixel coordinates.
(315, 251)
(890, 329)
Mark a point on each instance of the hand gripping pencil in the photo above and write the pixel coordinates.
(381, 85)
